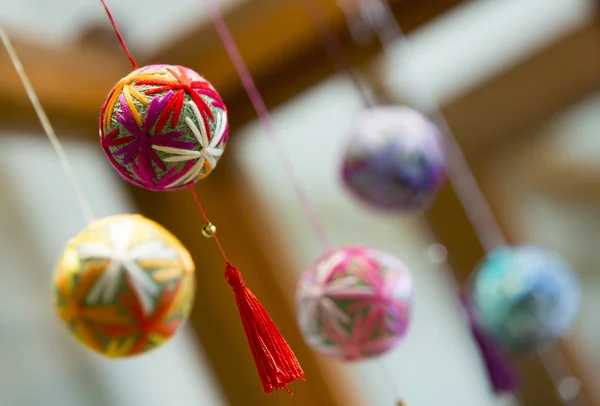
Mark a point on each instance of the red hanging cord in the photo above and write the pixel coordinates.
(119, 36)
(275, 361)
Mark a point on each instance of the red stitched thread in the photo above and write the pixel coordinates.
(119, 36)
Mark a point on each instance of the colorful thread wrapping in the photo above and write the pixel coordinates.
(394, 159)
(163, 127)
(124, 285)
(275, 361)
(354, 303)
(525, 297)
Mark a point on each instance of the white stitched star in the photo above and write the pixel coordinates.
(320, 292)
(123, 258)
(208, 154)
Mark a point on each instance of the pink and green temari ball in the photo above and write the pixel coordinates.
(354, 303)
(163, 127)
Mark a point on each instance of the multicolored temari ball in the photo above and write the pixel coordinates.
(124, 285)
(525, 297)
(354, 303)
(163, 127)
(394, 159)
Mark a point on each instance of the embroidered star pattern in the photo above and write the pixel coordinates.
(353, 305)
(206, 157)
(124, 258)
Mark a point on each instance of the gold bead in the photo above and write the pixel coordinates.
(209, 230)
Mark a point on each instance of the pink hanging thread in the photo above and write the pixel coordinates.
(265, 118)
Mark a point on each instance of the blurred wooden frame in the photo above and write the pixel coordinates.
(285, 65)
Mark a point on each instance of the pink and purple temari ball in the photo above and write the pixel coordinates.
(394, 160)
(354, 303)
(163, 127)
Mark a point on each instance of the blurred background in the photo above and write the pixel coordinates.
(518, 81)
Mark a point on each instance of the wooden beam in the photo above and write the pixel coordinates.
(516, 100)
(282, 48)
(549, 171)
(529, 93)
(577, 183)
(277, 39)
(510, 103)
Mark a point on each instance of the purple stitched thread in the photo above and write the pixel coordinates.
(503, 379)
(263, 114)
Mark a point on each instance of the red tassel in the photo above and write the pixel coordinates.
(275, 361)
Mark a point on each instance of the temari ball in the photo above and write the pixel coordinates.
(394, 159)
(124, 285)
(525, 297)
(354, 303)
(163, 127)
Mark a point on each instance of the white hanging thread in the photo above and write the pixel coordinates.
(56, 145)
(379, 15)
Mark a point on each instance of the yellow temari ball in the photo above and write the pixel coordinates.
(124, 285)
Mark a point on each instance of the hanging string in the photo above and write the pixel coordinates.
(489, 233)
(82, 200)
(265, 118)
(275, 361)
(119, 36)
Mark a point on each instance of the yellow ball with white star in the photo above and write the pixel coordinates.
(124, 285)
